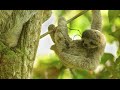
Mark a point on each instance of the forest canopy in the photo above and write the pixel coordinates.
(49, 66)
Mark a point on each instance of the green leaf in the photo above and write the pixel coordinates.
(116, 34)
(82, 74)
(81, 24)
(118, 51)
(65, 74)
(105, 57)
(117, 67)
(113, 14)
(117, 60)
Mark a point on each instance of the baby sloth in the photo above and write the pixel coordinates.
(78, 54)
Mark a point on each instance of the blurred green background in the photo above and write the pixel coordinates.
(48, 66)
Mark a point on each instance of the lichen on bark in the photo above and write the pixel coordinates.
(19, 37)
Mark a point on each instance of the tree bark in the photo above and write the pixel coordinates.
(19, 38)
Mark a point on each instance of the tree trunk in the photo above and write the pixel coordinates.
(19, 37)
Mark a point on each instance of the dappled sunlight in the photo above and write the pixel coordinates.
(47, 64)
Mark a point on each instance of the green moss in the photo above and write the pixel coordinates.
(7, 51)
(2, 46)
(9, 54)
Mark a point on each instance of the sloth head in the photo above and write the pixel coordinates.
(62, 22)
(93, 39)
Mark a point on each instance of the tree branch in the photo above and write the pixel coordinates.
(76, 16)
(68, 21)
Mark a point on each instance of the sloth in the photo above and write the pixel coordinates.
(77, 54)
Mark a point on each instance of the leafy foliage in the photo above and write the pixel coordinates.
(106, 57)
(109, 64)
(113, 14)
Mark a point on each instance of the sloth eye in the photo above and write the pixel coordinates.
(91, 42)
(82, 41)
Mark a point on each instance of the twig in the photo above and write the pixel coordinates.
(76, 16)
(43, 35)
(68, 21)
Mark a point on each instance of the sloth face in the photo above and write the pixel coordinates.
(92, 39)
(89, 43)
